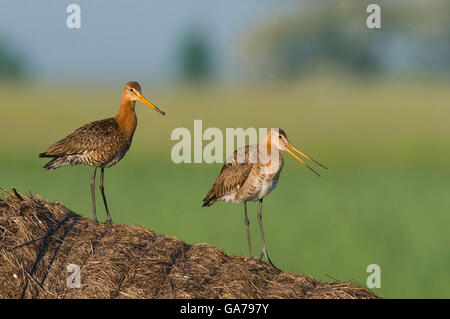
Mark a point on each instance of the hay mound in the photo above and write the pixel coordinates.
(39, 239)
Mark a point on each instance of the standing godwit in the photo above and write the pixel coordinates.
(250, 174)
(100, 144)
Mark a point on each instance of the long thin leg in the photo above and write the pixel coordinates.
(102, 189)
(264, 250)
(94, 214)
(247, 223)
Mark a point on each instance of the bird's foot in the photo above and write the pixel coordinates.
(273, 266)
(109, 221)
(264, 254)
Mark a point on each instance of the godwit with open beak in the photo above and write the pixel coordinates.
(250, 174)
(100, 144)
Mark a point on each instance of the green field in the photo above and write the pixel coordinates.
(384, 200)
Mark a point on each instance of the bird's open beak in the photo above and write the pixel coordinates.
(146, 102)
(304, 155)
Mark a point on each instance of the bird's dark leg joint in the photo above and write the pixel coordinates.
(102, 190)
(94, 214)
(101, 181)
(247, 228)
(264, 249)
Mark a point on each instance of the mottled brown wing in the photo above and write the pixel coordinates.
(90, 137)
(232, 176)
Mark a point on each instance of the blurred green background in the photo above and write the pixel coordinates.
(372, 105)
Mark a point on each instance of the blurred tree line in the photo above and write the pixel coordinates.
(414, 38)
(195, 57)
(13, 64)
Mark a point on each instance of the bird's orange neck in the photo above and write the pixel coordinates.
(127, 116)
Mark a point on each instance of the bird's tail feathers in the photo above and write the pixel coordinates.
(45, 155)
(56, 162)
(209, 200)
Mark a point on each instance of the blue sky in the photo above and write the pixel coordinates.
(133, 38)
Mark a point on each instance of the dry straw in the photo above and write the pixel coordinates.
(39, 239)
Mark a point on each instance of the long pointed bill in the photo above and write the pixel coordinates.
(301, 161)
(306, 156)
(146, 102)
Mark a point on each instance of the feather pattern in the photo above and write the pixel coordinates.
(244, 178)
(101, 143)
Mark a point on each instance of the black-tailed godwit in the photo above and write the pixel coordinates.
(100, 144)
(250, 174)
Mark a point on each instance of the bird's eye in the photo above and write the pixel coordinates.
(131, 90)
(279, 136)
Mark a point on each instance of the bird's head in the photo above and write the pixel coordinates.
(132, 92)
(278, 138)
